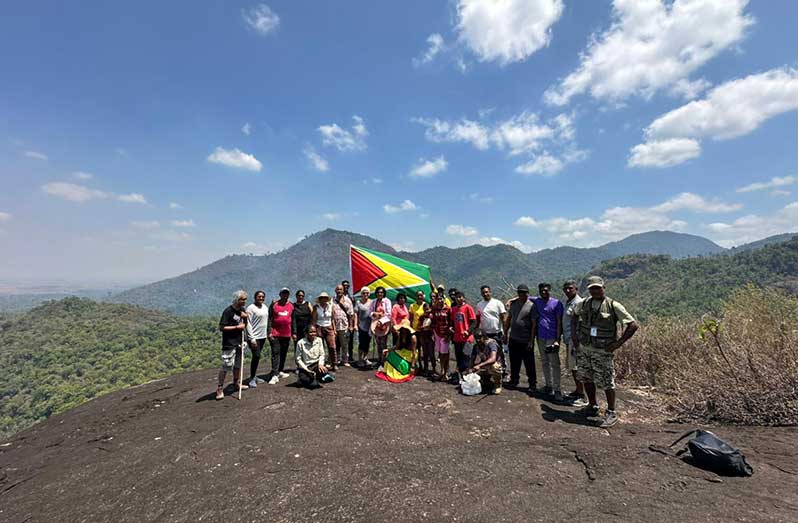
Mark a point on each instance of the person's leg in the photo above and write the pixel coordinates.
(284, 344)
(556, 373)
(350, 343)
(429, 351)
(610, 393)
(330, 337)
(585, 374)
(306, 378)
(545, 363)
(253, 364)
(495, 372)
(515, 347)
(382, 344)
(528, 359)
(220, 384)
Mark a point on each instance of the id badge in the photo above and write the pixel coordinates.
(594, 331)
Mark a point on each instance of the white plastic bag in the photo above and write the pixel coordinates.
(470, 384)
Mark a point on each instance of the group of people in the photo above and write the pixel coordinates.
(494, 339)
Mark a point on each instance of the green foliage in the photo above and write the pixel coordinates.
(66, 352)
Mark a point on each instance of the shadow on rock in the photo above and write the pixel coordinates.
(551, 414)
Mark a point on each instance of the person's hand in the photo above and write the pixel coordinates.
(556, 344)
(253, 344)
(293, 337)
(271, 339)
(612, 347)
(323, 369)
(243, 315)
(241, 326)
(575, 341)
(352, 328)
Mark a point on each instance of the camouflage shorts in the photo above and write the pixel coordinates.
(596, 366)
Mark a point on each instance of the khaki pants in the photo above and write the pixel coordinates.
(550, 361)
(571, 356)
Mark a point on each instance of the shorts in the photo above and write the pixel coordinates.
(596, 366)
(231, 358)
(441, 344)
(571, 356)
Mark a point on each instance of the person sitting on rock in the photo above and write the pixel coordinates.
(485, 361)
(310, 361)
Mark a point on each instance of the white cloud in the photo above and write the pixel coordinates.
(693, 202)
(780, 192)
(261, 19)
(175, 205)
(405, 206)
(522, 134)
(408, 246)
(246, 129)
(526, 221)
(506, 31)
(653, 45)
(754, 227)
(428, 168)
(345, 140)
(133, 197)
(730, 110)
(146, 225)
(249, 245)
(35, 155)
(664, 153)
(488, 241)
(479, 198)
(81, 175)
(434, 46)
(316, 160)
(183, 223)
(461, 230)
(4, 216)
(331, 216)
(171, 236)
(235, 158)
(775, 182)
(73, 192)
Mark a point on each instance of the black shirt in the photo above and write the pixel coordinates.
(231, 318)
(300, 319)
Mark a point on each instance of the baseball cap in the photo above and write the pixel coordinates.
(594, 281)
(285, 289)
(522, 288)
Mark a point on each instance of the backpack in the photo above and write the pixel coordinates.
(709, 452)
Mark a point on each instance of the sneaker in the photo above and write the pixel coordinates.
(284, 375)
(219, 394)
(578, 402)
(244, 386)
(259, 380)
(589, 411)
(609, 419)
(497, 390)
(253, 383)
(512, 384)
(347, 364)
(367, 362)
(275, 380)
(558, 397)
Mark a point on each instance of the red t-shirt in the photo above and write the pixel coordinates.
(462, 316)
(280, 316)
(440, 321)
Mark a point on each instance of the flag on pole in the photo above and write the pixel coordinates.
(378, 269)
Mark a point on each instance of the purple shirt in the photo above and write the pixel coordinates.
(548, 314)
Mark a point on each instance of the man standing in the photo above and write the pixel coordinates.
(572, 300)
(485, 361)
(464, 323)
(233, 323)
(310, 361)
(550, 311)
(300, 318)
(441, 323)
(351, 346)
(257, 333)
(344, 319)
(363, 314)
(596, 337)
(491, 315)
(519, 329)
(280, 314)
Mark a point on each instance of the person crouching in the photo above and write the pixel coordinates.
(310, 361)
(485, 361)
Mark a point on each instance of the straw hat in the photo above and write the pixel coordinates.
(322, 295)
(404, 324)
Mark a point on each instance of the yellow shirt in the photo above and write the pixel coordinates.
(416, 311)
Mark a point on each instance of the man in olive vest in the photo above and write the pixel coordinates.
(595, 334)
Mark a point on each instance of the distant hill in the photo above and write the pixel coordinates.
(659, 285)
(322, 259)
(65, 352)
(770, 240)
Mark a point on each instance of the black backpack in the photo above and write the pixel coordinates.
(709, 452)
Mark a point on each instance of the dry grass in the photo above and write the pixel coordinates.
(739, 368)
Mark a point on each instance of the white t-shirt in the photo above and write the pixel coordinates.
(258, 318)
(489, 315)
(569, 317)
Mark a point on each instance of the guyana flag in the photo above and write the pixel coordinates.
(377, 269)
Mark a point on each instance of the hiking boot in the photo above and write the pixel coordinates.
(275, 380)
(253, 383)
(283, 375)
(589, 411)
(219, 394)
(609, 419)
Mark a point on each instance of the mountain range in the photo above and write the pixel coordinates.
(320, 260)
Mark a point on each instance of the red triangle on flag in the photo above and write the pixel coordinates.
(364, 272)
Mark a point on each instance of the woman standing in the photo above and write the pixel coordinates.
(363, 313)
(441, 321)
(257, 333)
(323, 321)
(399, 312)
(380, 311)
(300, 318)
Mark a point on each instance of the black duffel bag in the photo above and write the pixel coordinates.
(709, 452)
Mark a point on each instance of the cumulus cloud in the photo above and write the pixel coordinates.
(754, 227)
(405, 206)
(185, 224)
(353, 139)
(316, 160)
(653, 45)
(461, 230)
(730, 110)
(82, 176)
(261, 19)
(488, 241)
(428, 168)
(35, 155)
(435, 46)
(774, 183)
(549, 144)
(695, 203)
(235, 158)
(507, 31)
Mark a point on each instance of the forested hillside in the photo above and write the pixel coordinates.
(63, 353)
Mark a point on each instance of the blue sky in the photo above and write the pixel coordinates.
(142, 141)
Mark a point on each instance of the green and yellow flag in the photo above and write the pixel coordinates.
(378, 269)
